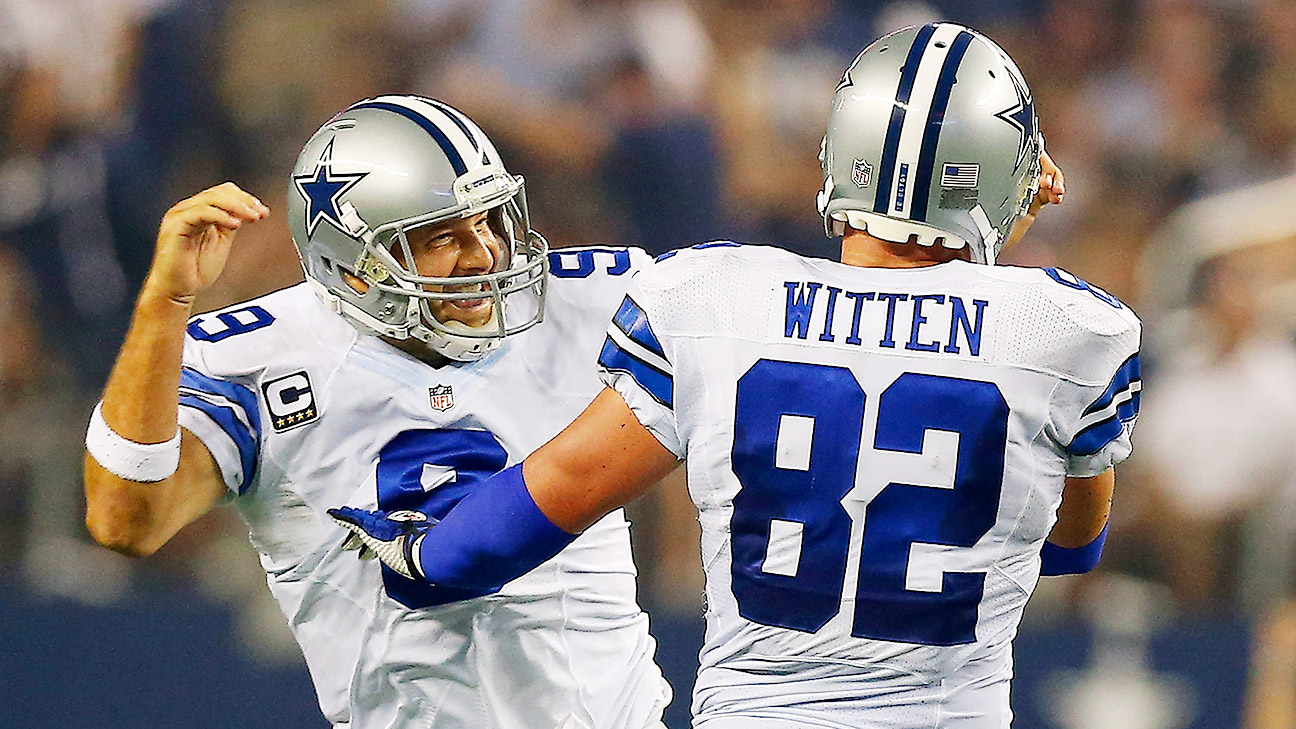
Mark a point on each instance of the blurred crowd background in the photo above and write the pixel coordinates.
(662, 123)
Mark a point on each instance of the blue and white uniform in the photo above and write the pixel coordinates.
(877, 456)
(302, 412)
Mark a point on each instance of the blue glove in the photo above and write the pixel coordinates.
(393, 537)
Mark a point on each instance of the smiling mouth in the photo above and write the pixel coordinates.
(469, 304)
(473, 305)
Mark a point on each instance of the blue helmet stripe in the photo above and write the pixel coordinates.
(452, 154)
(931, 133)
(886, 169)
(455, 117)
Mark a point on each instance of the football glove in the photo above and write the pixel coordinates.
(391, 536)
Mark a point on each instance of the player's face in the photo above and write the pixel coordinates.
(463, 247)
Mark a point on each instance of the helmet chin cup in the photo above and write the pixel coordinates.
(468, 346)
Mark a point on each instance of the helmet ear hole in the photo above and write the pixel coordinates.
(353, 282)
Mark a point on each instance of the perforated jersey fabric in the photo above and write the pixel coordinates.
(877, 456)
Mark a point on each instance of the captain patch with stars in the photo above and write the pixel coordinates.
(290, 401)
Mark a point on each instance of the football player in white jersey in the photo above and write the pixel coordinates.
(878, 448)
(410, 365)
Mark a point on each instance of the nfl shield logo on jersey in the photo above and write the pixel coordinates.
(861, 173)
(441, 397)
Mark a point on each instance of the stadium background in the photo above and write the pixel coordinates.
(657, 123)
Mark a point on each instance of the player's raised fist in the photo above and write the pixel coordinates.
(1052, 186)
(194, 240)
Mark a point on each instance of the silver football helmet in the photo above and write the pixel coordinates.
(932, 139)
(385, 166)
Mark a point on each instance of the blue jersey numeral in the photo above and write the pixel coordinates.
(782, 491)
(580, 263)
(903, 514)
(1072, 281)
(798, 435)
(431, 471)
(229, 323)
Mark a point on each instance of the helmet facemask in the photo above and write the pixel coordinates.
(515, 286)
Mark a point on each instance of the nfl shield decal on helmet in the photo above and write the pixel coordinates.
(441, 397)
(861, 173)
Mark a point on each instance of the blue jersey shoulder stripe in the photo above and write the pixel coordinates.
(229, 422)
(1121, 398)
(1096, 437)
(655, 382)
(631, 319)
(241, 394)
(698, 247)
(1128, 373)
(245, 431)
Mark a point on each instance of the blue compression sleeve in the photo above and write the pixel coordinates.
(1055, 560)
(495, 535)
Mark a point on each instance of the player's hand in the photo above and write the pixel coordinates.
(194, 240)
(1052, 191)
(1052, 185)
(393, 536)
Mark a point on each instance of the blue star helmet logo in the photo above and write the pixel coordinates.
(322, 189)
(846, 80)
(1022, 116)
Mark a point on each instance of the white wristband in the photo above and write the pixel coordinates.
(123, 458)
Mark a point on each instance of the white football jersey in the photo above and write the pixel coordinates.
(303, 413)
(877, 456)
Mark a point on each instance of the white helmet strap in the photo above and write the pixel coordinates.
(989, 235)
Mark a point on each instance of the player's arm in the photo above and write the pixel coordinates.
(522, 516)
(1076, 542)
(604, 460)
(136, 499)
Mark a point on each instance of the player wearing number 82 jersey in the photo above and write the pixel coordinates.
(877, 456)
(878, 449)
(892, 456)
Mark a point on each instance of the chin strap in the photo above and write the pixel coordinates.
(989, 248)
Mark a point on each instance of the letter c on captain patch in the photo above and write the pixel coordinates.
(290, 401)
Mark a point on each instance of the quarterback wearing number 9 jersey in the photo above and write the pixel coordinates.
(411, 364)
(885, 453)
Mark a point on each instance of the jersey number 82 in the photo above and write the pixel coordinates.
(798, 432)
